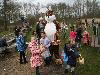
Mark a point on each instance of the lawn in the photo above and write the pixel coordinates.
(92, 59)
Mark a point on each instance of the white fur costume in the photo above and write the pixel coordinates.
(50, 28)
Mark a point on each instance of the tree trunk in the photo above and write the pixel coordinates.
(5, 16)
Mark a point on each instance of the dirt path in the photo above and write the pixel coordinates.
(9, 65)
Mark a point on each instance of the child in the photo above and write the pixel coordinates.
(46, 43)
(86, 37)
(78, 35)
(21, 46)
(72, 58)
(72, 35)
(36, 51)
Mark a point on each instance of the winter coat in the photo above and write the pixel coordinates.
(20, 43)
(36, 58)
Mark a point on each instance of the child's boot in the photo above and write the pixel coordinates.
(73, 73)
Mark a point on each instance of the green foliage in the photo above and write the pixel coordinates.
(29, 33)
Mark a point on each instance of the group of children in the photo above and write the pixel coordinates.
(71, 53)
(43, 50)
(79, 36)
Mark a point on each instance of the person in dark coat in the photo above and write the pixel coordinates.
(38, 31)
(72, 54)
(40, 27)
(94, 33)
(78, 35)
(17, 30)
(94, 30)
(93, 21)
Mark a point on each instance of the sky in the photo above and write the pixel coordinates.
(45, 2)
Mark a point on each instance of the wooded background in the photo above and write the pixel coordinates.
(11, 11)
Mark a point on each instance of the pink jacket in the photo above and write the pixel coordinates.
(72, 35)
(36, 58)
(86, 37)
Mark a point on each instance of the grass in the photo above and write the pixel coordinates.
(92, 59)
(29, 33)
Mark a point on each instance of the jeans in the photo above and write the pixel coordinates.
(47, 61)
(22, 57)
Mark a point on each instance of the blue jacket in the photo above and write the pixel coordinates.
(72, 55)
(20, 43)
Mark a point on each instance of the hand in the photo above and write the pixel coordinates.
(59, 41)
(42, 48)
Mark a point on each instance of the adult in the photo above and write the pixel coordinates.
(86, 22)
(94, 33)
(78, 23)
(40, 27)
(93, 21)
(50, 28)
(64, 28)
(79, 35)
(17, 30)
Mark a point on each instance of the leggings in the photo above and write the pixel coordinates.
(37, 71)
(54, 50)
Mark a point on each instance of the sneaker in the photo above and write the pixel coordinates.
(73, 73)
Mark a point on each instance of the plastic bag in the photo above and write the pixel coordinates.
(64, 57)
(46, 54)
(81, 60)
